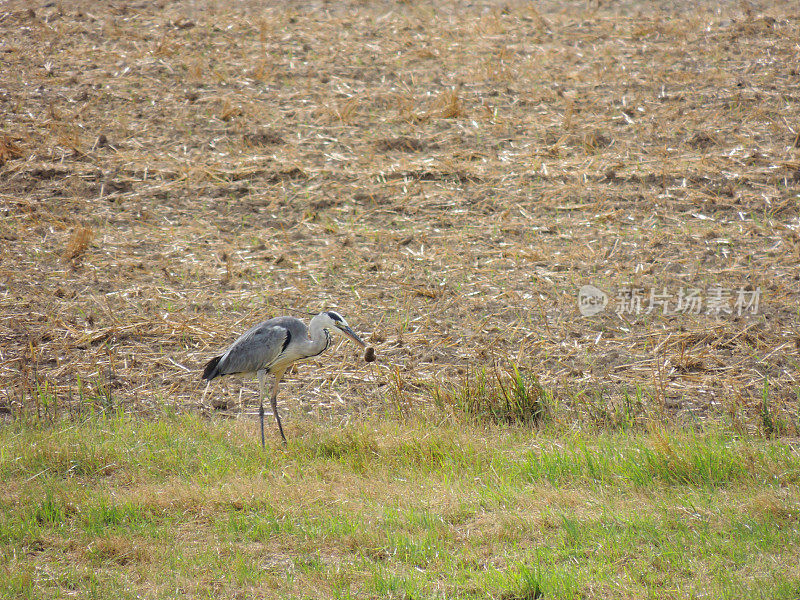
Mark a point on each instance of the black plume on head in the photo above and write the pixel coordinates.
(335, 316)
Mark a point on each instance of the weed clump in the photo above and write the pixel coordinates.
(512, 397)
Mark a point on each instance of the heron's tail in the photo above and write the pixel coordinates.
(210, 371)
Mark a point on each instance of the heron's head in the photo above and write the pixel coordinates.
(333, 320)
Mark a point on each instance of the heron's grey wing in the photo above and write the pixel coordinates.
(256, 349)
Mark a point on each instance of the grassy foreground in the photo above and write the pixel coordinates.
(126, 507)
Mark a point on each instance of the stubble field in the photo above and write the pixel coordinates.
(445, 175)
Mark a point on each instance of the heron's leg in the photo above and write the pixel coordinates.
(274, 401)
(262, 391)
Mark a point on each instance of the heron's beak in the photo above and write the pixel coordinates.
(351, 334)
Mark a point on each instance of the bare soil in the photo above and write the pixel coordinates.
(446, 175)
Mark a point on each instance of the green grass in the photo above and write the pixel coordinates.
(126, 507)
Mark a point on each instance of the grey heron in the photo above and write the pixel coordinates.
(272, 347)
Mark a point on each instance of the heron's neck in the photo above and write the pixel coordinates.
(319, 339)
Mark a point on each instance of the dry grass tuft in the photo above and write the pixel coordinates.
(119, 550)
(344, 111)
(78, 242)
(9, 150)
(449, 105)
(229, 110)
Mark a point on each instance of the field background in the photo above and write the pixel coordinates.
(447, 176)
